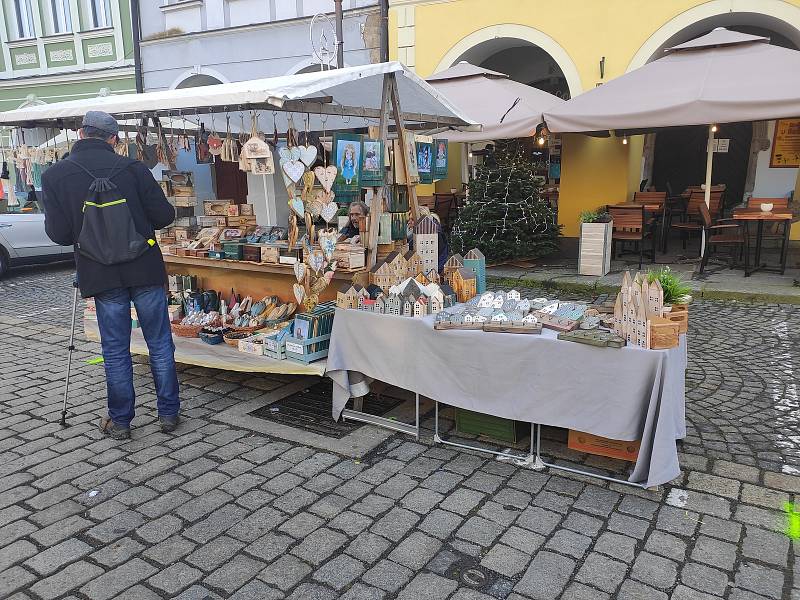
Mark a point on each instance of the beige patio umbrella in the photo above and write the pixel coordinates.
(721, 77)
(505, 108)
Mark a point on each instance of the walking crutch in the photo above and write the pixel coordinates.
(71, 348)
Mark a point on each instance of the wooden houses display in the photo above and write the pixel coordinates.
(414, 264)
(409, 298)
(389, 272)
(639, 314)
(476, 261)
(426, 242)
(464, 284)
(351, 296)
(453, 263)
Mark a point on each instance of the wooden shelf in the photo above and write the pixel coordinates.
(242, 265)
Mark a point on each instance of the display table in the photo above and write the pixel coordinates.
(247, 278)
(625, 394)
(194, 351)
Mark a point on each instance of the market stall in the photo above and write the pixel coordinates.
(312, 144)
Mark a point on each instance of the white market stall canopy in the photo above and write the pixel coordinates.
(505, 108)
(347, 98)
(721, 77)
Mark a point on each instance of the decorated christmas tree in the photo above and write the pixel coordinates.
(505, 215)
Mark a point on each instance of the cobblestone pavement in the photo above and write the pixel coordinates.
(219, 512)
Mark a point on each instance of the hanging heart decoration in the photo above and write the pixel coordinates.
(299, 271)
(326, 176)
(288, 154)
(316, 261)
(287, 181)
(327, 241)
(308, 184)
(299, 292)
(308, 155)
(329, 211)
(314, 207)
(214, 145)
(294, 169)
(298, 207)
(329, 276)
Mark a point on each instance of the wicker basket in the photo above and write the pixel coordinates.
(232, 338)
(187, 331)
(245, 329)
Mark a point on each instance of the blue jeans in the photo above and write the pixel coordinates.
(114, 321)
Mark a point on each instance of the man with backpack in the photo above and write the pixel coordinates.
(108, 206)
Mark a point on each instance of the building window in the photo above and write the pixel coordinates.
(24, 15)
(60, 15)
(100, 13)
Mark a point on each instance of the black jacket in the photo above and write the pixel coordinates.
(65, 187)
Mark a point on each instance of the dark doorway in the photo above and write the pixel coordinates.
(680, 159)
(230, 181)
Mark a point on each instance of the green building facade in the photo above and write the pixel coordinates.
(56, 50)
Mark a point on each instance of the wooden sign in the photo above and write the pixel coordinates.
(594, 338)
(557, 323)
(509, 327)
(785, 145)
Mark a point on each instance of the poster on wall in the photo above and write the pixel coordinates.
(786, 145)
(347, 158)
(372, 168)
(440, 159)
(424, 150)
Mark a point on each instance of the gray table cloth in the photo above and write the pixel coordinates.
(625, 394)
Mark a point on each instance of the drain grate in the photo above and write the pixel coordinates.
(311, 408)
(467, 570)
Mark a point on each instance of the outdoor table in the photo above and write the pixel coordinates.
(627, 393)
(649, 207)
(750, 215)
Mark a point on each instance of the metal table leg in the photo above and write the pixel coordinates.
(539, 461)
(357, 415)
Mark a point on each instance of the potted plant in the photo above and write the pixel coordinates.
(595, 249)
(676, 292)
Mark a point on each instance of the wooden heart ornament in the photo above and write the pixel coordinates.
(308, 155)
(316, 261)
(314, 207)
(308, 184)
(326, 176)
(294, 169)
(299, 292)
(288, 154)
(329, 211)
(299, 271)
(298, 207)
(327, 241)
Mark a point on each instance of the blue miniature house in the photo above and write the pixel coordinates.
(475, 261)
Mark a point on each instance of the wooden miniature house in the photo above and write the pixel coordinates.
(413, 264)
(476, 261)
(426, 242)
(464, 284)
(348, 296)
(638, 308)
(453, 263)
(398, 262)
(394, 305)
(449, 295)
(383, 275)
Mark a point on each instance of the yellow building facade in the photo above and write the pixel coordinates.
(571, 46)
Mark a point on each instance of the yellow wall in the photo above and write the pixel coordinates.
(423, 33)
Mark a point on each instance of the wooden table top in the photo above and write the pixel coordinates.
(756, 214)
(647, 206)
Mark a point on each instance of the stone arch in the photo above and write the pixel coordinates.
(525, 33)
(197, 77)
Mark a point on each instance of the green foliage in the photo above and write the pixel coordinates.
(672, 284)
(593, 216)
(505, 216)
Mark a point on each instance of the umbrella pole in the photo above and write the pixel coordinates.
(709, 165)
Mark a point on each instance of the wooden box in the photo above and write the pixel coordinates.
(300, 350)
(595, 444)
(662, 333)
(185, 222)
(233, 210)
(246, 210)
(184, 211)
(595, 249)
(183, 234)
(182, 190)
(274, 348)
(183, 201)
(681, 317)
(252, 253)
(181, 251)
(233, 250)
(241, 222)
(269, 254)
(204, 221)
(217, 208)
(349, 258)
(497, 428)
(216, 254)
(253, 344)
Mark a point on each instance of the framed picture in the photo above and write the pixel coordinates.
(411, 158)
(372, 170)
(785, 145)
(439, 159)
(424, 151)
(347, 158)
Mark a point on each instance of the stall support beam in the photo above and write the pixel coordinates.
(355, 415)
(401, 136)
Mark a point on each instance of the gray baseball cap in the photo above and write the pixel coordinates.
(102, 121)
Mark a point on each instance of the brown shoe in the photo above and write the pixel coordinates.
(114, 431)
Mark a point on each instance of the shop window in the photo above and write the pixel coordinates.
(100, 13)
(23, 13)
(60, 17)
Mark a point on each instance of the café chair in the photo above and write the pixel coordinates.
(726, 232)
(630, 226)
(776, 202)
(658, 218)
(690, 219)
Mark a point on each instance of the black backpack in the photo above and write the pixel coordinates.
(108, 234)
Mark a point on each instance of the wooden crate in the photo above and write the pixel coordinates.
(246, 210)
(274, 348)
(233, 210)
(182, 190)
(217, 208)
(252, 253)
(269, 254)
(185, 222)
(184, 201)
(681, 317)
(185, 211)
(595, 444)
(595, 249)
(662, 333)
(349, 258)
(241, 222)
(300, 350)
(497, 428)
(233, 250)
